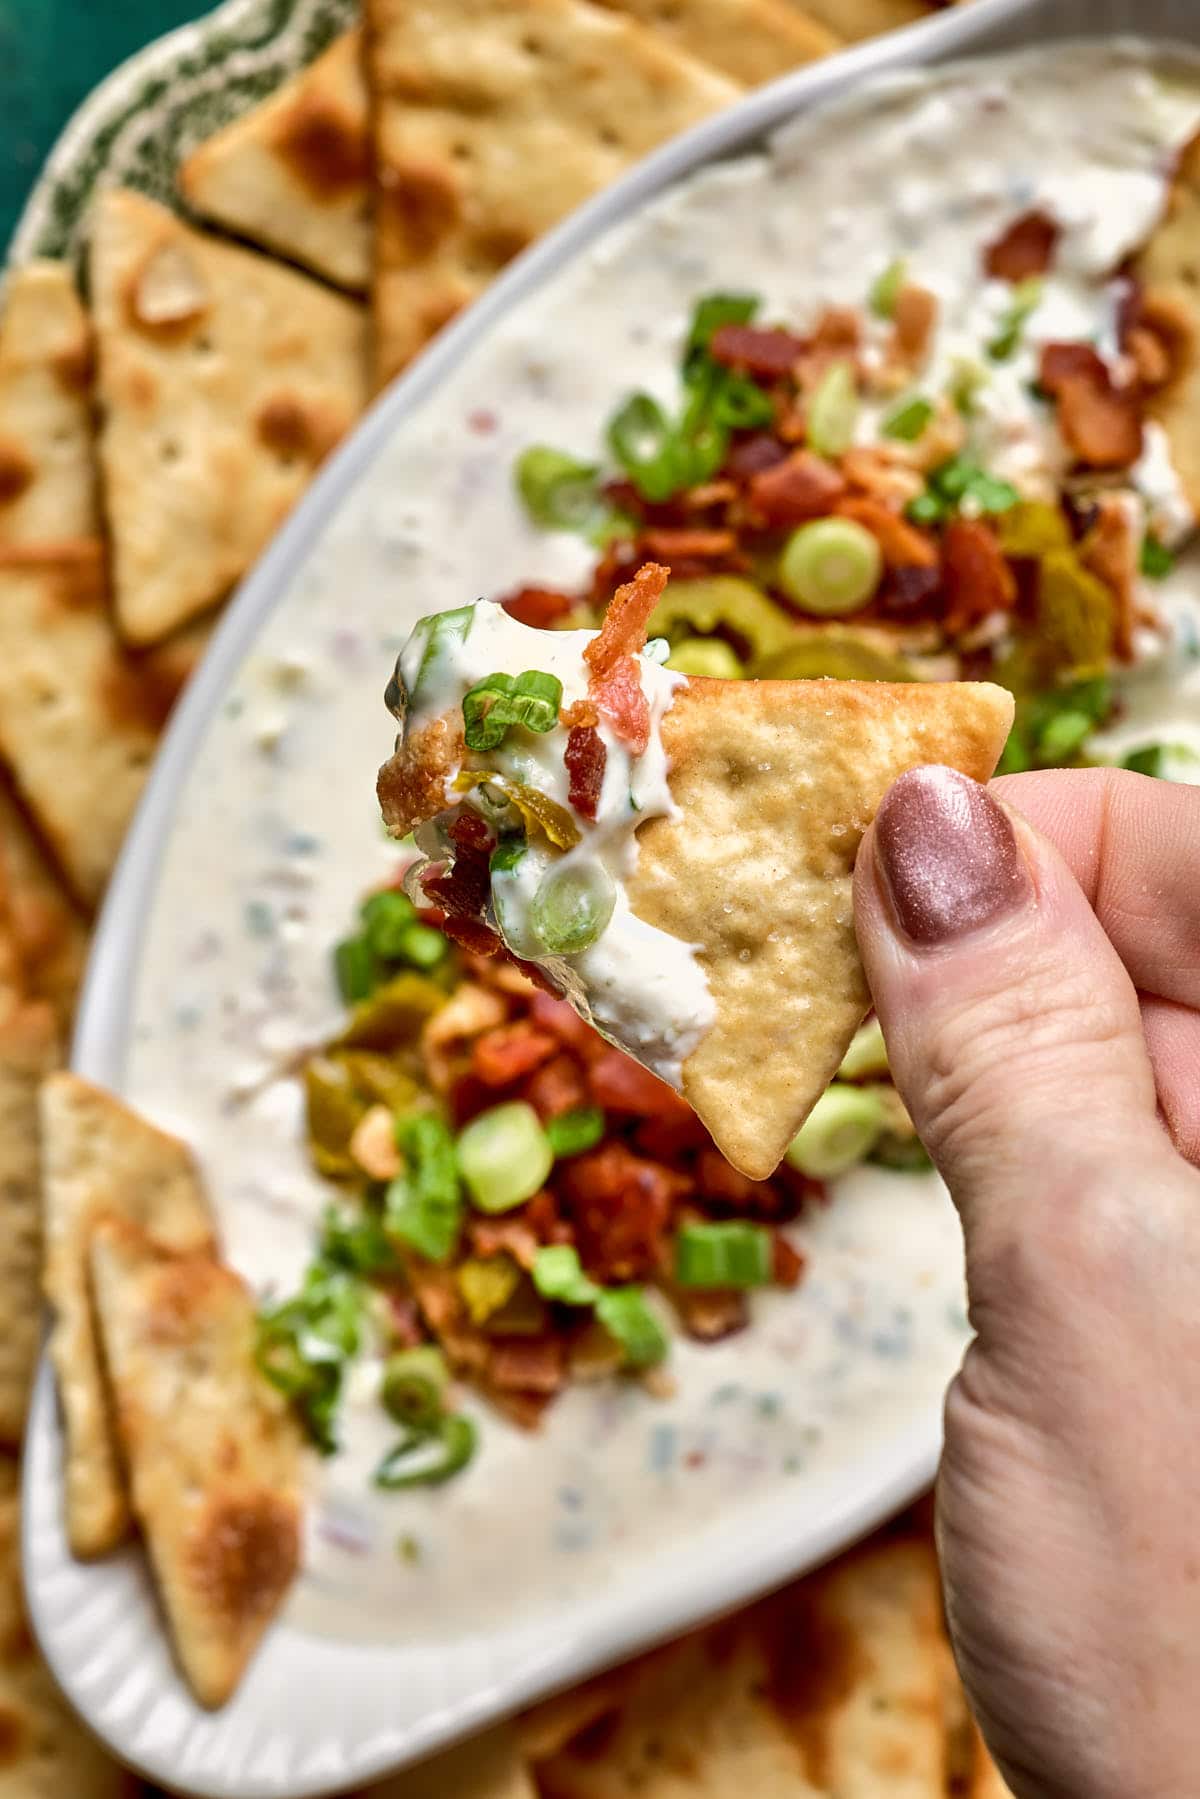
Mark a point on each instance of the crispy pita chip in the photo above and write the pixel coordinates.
(46, 1752)
(487, 1767)
(855, 19)
(99, 1158)
(212, 1450)
(294, 173)
(12, 976)
(48, 933)
(775, 782)
(1169, 271)
(751, 41)
(29, 1049)
(492, 120)
(224, 379)
(47, 473)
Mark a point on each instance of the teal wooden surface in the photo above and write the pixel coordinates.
(52, 53)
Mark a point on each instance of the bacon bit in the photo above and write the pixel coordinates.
(550, 1013)
(1110, 550)
(620, 1084)
(579, 714)
(877, 473)
(1100, 421)
(528, 1365)
(505, 1236)
(1025, 249)
(709, 494)
(711, 1316)
(787, 1264)
(459, 891)
(771, 354)
(621, 1208)
(557, 1086)
(791, 424)
(470, 934)
(505, 1055)
(669, 544)
(1063, 362)
(837, 331)
(541, 607)
(585, 757)
(802, 488)
(525, 1410)
(718, 1180)
(903, 545)
(753, 455)
(913, 323)
(1150, 355)
(467, 832)
(1166, 319)
(910, 594)
(666, 1139)
(976, 576)
(614, 683)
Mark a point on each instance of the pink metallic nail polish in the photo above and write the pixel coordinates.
(947, 856)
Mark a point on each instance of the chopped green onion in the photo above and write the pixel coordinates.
(437, 633)
(413, 1389)
(573, 1132)
(427, 1458)
(354, 966)
(867, 1053)
(504, 1156)
(708, 315)
(966, 379)
(572, 906)
(558, 492)
(1156, 560)
(386, 917)
(629, 1321)
(831, 566)
(839, 1132)
(1063, 736)
(833, 411)
(710, 656)
(641, 438)
(927, 509)
(423, 1205)
(885, 290)
(740, 404)
(723, 1255)
(908, 421)
(494, 705)
(1026, 298)
(422, 947)
(991, 496)
(558, 1274)
(508, 897)
(963, 482)
(1146, 761)
(303, 1345)
(356, 1242)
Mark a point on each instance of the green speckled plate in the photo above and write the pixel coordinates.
(143, 120)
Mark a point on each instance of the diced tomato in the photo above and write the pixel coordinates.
(620, 1206)
(527, 1364)
(1025, 249)
(620, 1084)
(801, 488)
(467, 831)
(756, 352)
(541, 607)
(557, 1086)
(509, 1052)
(903, 545)
(976, 576)
(585, 757)
(787, 1264)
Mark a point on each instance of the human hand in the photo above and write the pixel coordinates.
(1041, 1007)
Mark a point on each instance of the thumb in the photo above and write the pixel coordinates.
(1013, 1030)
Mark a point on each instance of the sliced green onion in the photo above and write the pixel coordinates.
(504, 1156)
(992, 496)
(413, 1389)
(572, 906)
(709, 314)
(1146, 761)
(927, 509)
(966, 379)
(1026, 298)
(710, 656)
(867, 1053)
(354, 966)
(423, 1205)
(558, 1274)
(494, 705)
(833, 411)
(885, 290)
(386, 917)
(573, 1132)
(509, 901)
(723, 1255)
(908, 421)
(427, 1458)
(961, 481)
(357, 1242)
(438, 633)
(422, 947)
(641, 439)
(839, 1132)
(558, 492)
(1156, 560)
(831, 566)
(630, 1322)
(740, 404)
(1063, 736)
(303, 1345)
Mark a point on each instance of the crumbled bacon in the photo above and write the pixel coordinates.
(542, 607)
(511, 1236)
(620, 1084)
(709, 1316)
(1064, 362)
(614, 683)
(1158, 330)
(787, 1264)
(472, 934)
(504, 1055)
(903, 545)
(753, 455)
(673, 543)
(552, 1014)
(468, 833)
(1100, 421)
(913, 322)
(585, 757)
(527, 1364)
(1110, 550)
(557, 1086)
(460, 890)
(771, 354)
(910, 593)
(620, 1206)
(976, 576)
(801, 488)
(1025, 249)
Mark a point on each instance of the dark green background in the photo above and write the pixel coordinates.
(52, 53)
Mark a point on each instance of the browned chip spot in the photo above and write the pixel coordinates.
(815, 1663)
(326, 151)
(424, 204)
(75, 366)
(12, 1736)
(181, 1285)
(291, 429)
(244, 1551)
(16, 473)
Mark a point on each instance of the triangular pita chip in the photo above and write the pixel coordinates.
(47, 470)
(492, 120)
(751, 41)
(855, 19)
(48, 932)
(29, 1049)
(213, 1453)
(486, 1767)
(46, 1752)
(1169, 273)
(775, 782)
(224, 380)
(293, 174)
(101, 1159)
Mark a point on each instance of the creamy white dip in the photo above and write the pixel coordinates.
(277, 836)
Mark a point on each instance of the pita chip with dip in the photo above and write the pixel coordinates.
(673, 854)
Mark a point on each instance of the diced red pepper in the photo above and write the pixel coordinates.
(771, 354)
(505, 1054)
(585, 757)
(1025, 249)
